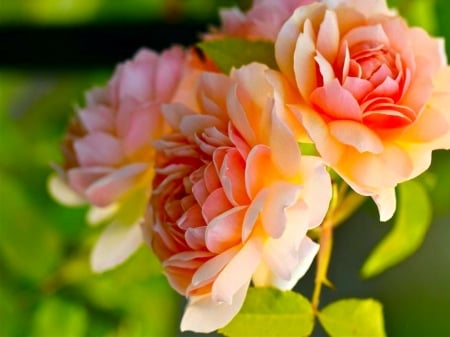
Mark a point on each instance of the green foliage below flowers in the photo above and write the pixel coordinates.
(410, 227)
(271, 312)
(353, 318)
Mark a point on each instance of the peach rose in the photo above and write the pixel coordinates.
(233, 198)
(261, 22)
(374, 92)
(108, 157)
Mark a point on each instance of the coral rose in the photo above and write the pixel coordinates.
(374, 92)
(108, 157)
(233, 198)
(261, 22)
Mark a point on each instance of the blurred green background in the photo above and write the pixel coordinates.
(46, 286)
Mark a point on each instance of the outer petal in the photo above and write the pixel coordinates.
(237, 272)
(306, 253)
(115, 245)
(61, 191)
(317, 189)
(282, 255)
(203, 314)
(287, 37)
(111, 187)
(386, 203)
(97, 215)
(368, 7)
(356, 135)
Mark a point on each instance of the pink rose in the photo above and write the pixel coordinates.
(107, 148)
(261, 22)
(233, 198)
(374, 93)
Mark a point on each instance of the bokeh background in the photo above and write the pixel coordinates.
(51, 51)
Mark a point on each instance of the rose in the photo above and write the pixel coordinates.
(233, 198)
(261, 22)
(108, 157)
(374, 93)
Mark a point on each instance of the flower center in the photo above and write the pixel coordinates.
(367, 59)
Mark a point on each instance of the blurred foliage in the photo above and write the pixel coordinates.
(70, 12)
(46, 286)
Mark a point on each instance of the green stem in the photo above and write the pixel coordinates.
(326, 243)
(343, 205)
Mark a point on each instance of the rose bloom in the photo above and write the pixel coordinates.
(374, 93)
(233, 198)
(108, 157)
(261, 22)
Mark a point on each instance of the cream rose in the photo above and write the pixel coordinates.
(374, 93)
(233, 198)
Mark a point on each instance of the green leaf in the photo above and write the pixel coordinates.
(353, 317)
(437, 180)
(57, 317)
(270, 312)
(234, 52)
(28, 244)
(411, 225)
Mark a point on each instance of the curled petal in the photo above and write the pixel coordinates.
(316, 189)
(97, 215)
(281, 254)
(203, 314)
(280, 198)
(307, 251)
(237, 272)
(98, 149)
(63, 193)
(336, 102)
(224, 231)
(356, 135)
(112, 186)
(386, 203)
(115, 245)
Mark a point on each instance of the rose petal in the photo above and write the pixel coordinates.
(203, 314)
(237, 272)
(307, 251)
(252, 214)
(386, 203)
(282, 254)
(81, 178)
(287, 40)
(316, 189)
(112, 186)
(98, 149)
(369, 8)
(358, 87)
(98, 118)
(208, 271)
(232, 176)
(215, 204)
(280, 198)
(356, 135)
(115, 245)
(305, 51)
(328, 36)
(336, 102)
(62, 192)
(224, 231)
(284, 148)
(97, 215)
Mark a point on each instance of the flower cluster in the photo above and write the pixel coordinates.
(208, 165)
